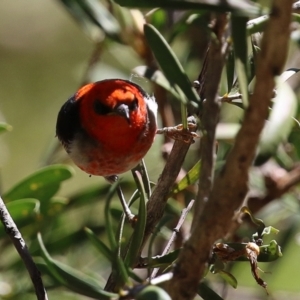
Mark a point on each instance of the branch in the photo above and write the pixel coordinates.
(231, 185)
(158, 200)
(211, 110)
(157, 203)
(19, 243)
(276, 187)
(184, 213)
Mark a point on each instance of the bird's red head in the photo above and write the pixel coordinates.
(107, 127)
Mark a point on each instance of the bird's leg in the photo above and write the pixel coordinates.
(130, 216)
(178, 133)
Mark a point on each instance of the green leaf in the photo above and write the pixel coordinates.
(269, 230)
(92, 15)
(142, 170)
(118, 265)
(23, 208)
(139, 227)
(108, 221)
(5, 127)
(280, 122)
(91, 194)
(236, 6)
(102, 248)
(190, 178)
(162, 261)
(229, 278)
(152, 292)
(230, 70)
(73, 279)
(55, 206)
(23, 212)
(158, 77)
(269, 252)
(258, 222)
(169, 63)
(239, 36)
(207, 293)
(255, 40)
(41, 185)
(257, 25)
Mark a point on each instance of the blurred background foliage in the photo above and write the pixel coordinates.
(45, 56)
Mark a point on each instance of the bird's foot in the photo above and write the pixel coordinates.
(179, 133)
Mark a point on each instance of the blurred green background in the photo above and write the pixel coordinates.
(44, 55)
(43, 58)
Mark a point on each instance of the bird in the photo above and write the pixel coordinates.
(107, 127)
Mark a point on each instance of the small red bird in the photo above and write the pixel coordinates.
(107, 127)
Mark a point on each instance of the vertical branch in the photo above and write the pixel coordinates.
(212, 70)
(19, 243)
(231, 185)
(188, 271)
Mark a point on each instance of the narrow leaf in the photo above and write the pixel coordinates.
(230, 70)
(190, 178)
(160, 261)
(158, 77)
(92, 15)
(229, 278)
(238, 6)
(108, 222)
(257, 25)
(153, 292)
(23, 212)
(102, 248)
(280, 122)
(73, 279)
(207, 293)
(23, 208)
(41, 185)
(239, 36)
(169, 63)
(5, 127)
(269, 252)
(118, 265)
(139, 228)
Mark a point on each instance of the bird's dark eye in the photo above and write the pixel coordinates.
(101, 109)
(133, 105)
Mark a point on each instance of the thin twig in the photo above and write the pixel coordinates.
(182, 218)
(238, 96)
(130, 216)
(19, 243)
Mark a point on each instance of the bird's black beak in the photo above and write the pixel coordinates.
(123, 110)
